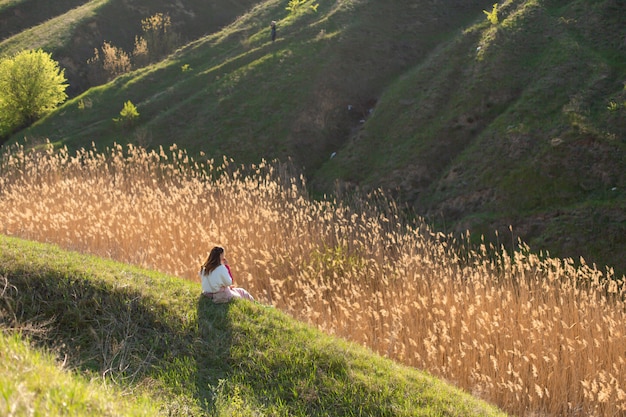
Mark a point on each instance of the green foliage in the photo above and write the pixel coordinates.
(338, 260)
(296, 5)
(613, 106)
(493, 15)
(450, 105)
(31, 85)
(128, 114)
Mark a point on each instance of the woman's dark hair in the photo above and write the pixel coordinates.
(213, 261)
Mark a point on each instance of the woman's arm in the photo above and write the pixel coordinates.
(227, 281)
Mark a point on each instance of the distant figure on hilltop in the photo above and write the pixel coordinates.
(273, 26)
(217, 280)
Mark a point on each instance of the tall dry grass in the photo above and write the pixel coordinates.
(535, 335)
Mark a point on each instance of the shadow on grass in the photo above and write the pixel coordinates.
(92, 325)
(212, 349)
(116, 331)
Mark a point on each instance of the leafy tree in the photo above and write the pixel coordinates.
(31, 85)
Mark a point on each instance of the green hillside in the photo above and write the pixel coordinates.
(474, 125)
(95, 337)
(71, 29)
(521, 124)
(249, 98)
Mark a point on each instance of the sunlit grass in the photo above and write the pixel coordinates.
(26, 373)
(55, 31)
(529, 333)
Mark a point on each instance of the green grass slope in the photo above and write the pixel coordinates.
(135, 342)
(247, 97)
(522, 123)
(71, 29)
(33, 383)
(18, 15)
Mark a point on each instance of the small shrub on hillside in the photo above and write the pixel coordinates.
(296, 5)
(107, 63)
(115, 61)
(141, 55)
(614, 106)
(84, 104)
(493, 15)
(159, 36)
(128, 115)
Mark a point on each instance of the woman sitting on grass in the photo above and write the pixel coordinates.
(217, 281)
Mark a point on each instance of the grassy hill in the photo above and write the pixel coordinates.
(88, 336)
(71, 29)
(474, 125)
(511, 124)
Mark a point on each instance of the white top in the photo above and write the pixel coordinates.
(216, 279)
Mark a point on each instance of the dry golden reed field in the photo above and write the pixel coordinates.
(535, 335)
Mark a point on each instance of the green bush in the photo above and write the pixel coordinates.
(493, 15)
(295, 5)
(31, 85)
(128, 114)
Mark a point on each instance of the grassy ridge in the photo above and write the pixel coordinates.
(144, 333)
(18, 15)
